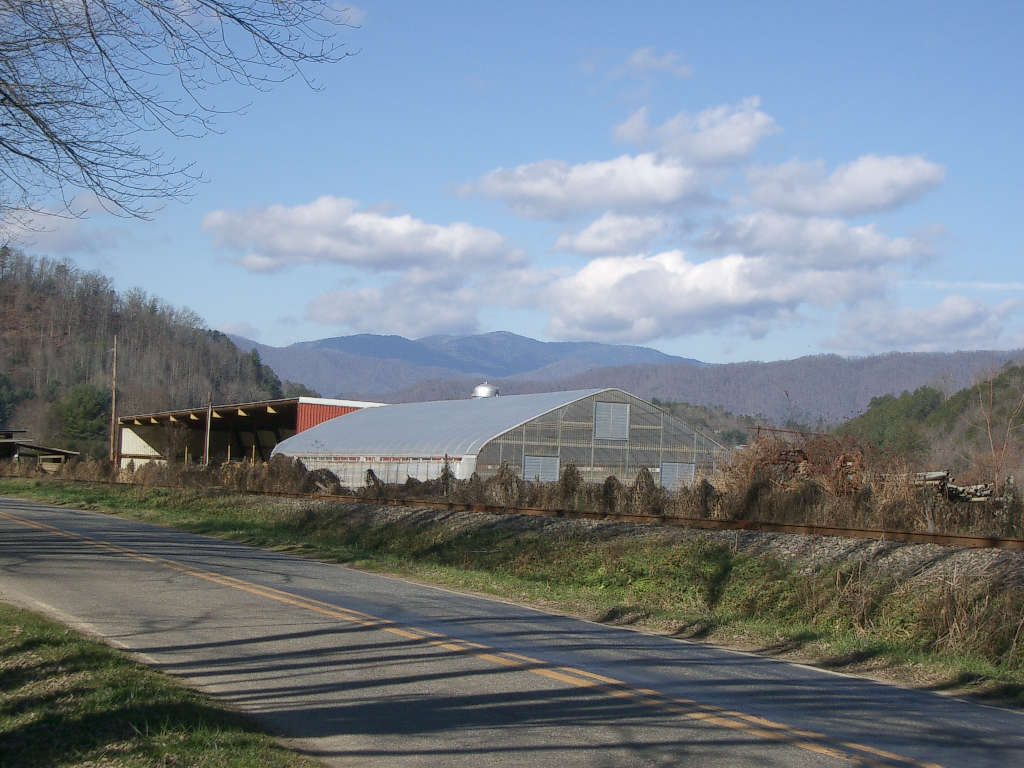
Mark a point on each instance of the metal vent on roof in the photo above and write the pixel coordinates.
(485, 390)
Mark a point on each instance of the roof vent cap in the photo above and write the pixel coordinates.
(485, 390)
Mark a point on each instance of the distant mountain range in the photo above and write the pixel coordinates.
(368, 363)
(809, 390)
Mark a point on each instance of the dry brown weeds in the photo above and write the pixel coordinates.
(819, 480)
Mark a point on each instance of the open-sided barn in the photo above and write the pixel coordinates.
(216, 433)
(601, 431)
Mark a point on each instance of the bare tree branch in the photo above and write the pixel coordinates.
(84, 82)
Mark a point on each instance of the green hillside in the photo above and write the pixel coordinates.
(57, 326)
(977, 432)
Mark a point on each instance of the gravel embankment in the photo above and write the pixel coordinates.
(900, 562)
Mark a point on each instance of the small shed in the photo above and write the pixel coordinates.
(15, 447)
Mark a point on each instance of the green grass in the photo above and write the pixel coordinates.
(69, 701)
(848, 618)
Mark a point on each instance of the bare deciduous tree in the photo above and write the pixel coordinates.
(83, 83)
(56, 326)
(1002, 417)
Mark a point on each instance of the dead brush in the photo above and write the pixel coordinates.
(859, 594)
(775, 480)
(801, 500)
(152, 474)
(700, 501)
(747, 479)
(505, 488)
(758, 461)
(968, 615)
(836, 463)
(849, 510)
(646, 497)
(961, 614)
(895, 498)
(20, 469)
(88, 469)
(613, 496)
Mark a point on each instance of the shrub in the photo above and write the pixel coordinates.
(647, 497)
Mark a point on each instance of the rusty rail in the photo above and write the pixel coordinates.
(761, 526)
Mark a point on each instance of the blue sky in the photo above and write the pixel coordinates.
(728, 181)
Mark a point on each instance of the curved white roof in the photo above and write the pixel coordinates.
(438, 428)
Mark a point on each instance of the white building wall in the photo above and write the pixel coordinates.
(465, 468)
(134, 448)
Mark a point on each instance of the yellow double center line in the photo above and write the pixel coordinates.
(751, 725)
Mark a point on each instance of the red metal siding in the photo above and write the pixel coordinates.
(311, 414)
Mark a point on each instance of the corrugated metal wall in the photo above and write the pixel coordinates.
(311, 414)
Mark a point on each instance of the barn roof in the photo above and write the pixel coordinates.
(438, 428)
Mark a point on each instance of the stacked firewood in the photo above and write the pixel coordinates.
(943, 482)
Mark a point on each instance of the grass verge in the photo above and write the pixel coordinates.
(946, 636)
(69, 701)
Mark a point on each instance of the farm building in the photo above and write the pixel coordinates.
(15, 447)
(229, 432)
(601, 431)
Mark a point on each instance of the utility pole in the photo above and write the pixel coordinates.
(209, 421)
(113, 407)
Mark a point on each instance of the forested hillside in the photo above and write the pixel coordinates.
(57, 327)
(978, 433)
(819, 391)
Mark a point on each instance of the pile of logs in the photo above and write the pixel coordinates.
(840, 465)
(943, 482)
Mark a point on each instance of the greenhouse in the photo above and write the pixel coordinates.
(603, 432)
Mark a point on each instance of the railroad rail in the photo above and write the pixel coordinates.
(762, 526)
(706, 524)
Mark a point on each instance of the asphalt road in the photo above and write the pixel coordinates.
(366, 670)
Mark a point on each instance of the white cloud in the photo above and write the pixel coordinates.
(55, 235)
(640, 298)
(60, 230)
(955, 322)
(414, 305)
(817, 242)
(635, 129)
(553, 188)
(973, 285)
(613, 234)
(646, 60)
(868, 184)
(331, 229)
(721, 134)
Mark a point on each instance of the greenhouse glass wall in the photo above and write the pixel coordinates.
(603, 432)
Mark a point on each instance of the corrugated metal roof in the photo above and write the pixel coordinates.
(30, 446)
(439, 428)
(279, 402)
